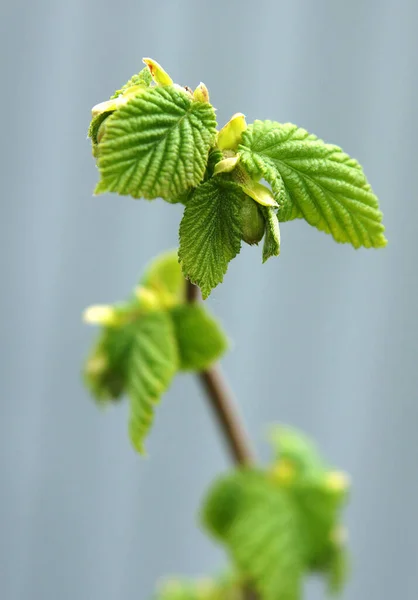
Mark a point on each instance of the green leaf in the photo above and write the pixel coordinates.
(210, 232)
(164, 275)
(156, 145)
(271, 245)
(105, 371)
(142, 78)
(299, 450)
(153, 363)
(318, 495)
(333, 563)
(337, 570)
(314, 180)
(95, 126)
(200, 338)
(215, 156)
(257, 523)
(318, 511)
(182, 198)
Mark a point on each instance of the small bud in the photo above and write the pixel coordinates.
(157, 72)
(260, 193)
(252, 221)
(148, 299)
(230, 135)
(201, 93)
(337, 481)
(226, 165)
(284, 472)
(100, 314)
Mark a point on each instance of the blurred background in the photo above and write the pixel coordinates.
(325, 337)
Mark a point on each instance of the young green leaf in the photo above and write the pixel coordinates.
(215, 156)
(298, 450)
(319, 512)
(258, 524)
(318, 495)
(337, 569)
(156, 145)
(271, 245)
(164, 275)
(158, 74)
(95, 126)
(200, 339)
(314, 180)
(152, 365)
(144, 78)
(333, 562)
(230, 135)
(210, 232)
(141, 80)
(105, 371)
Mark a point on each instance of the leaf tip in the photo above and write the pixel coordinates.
(100, 188)
(229, 137)
(157, 72)
(99, 314)
(201, 93)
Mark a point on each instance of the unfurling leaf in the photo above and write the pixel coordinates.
(105, 370)
(94, 128)
(156, 145)
(152, 365)
(157, 72)
(231, 134)
(200, 339)
(271, 246)
(201, 93)
(164, 276)
(314, 180)
(226, 165)
(210, 232)
(142, 78)
(101, 111)
(296, 449)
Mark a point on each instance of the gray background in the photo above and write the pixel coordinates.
(330, 336)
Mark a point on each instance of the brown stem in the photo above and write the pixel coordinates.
(223, 406)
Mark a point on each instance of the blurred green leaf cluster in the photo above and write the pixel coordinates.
(281, 523)
(146, 340)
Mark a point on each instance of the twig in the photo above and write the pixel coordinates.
(223, 406)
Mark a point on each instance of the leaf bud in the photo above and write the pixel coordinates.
(201, 93)
(230, 135)
(157, 72)
(252, 221)
(100, 314)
